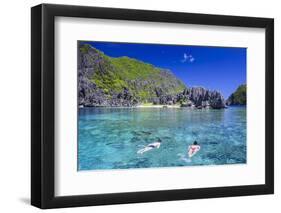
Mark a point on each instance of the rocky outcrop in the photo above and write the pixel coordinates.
(91, 96)
(239, 97)
(126, 82)
(107, 81)
(206, 98)
(197, 97)
(200, 97)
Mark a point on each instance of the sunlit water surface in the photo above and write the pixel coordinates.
(109, 138)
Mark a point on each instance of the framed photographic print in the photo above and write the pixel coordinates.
(140, 106)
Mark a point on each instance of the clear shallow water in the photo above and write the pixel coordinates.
(109, 138)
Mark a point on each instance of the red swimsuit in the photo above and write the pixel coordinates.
(194, 149)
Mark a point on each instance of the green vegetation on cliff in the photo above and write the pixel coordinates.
(142, 80)
(126, 82)
(239, 97)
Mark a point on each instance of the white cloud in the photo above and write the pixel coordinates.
(191, 59)
(187, 58)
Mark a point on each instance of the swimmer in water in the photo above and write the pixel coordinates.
(150, 146)
(193, 149)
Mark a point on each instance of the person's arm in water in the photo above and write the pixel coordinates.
(149, 147)
(154, 145)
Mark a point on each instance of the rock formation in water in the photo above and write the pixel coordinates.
(123, 81)
(107, 81)
(239, 97)
(206, 98)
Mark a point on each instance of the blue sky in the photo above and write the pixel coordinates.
(216, 68)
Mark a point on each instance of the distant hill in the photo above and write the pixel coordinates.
(239, 97)
(124, 81)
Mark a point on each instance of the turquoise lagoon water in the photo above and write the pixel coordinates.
(109, 138)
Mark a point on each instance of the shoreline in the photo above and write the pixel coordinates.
(158, 106)
(138, 106)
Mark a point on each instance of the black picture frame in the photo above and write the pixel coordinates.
(43, 102)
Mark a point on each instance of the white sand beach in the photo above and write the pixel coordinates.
(158, 106)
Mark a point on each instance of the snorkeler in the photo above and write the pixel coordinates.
(150, 146)
(193, 149)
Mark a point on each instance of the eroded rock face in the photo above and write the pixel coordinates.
(198, 97)
(107, 81)
(203, 98)
(101, 83)
(239, 97)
